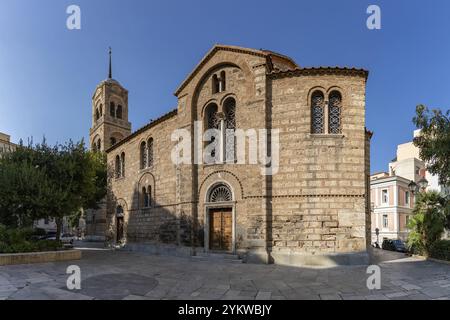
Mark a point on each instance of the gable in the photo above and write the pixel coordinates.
(272, 59)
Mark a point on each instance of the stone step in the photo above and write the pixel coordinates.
(215, 255)
(225, 257)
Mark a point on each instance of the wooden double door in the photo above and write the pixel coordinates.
(221, 229)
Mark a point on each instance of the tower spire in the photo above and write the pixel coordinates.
(110, 64)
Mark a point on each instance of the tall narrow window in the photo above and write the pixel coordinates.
(230, 127)
(97, 114)
(384, 196)
(143, 155)
(150, 152)
(317, 112)
(145, 202)
(385, 221)
(334, 112)
(215, 84)
(101, 110)
(122, 162)
(407, 198)
(222, 82)
(212, 122)
(212, 119)
(112, 109)
(119, 112)
(99, 145)
(112, 141)
(117, 166)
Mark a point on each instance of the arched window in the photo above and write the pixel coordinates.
(230, 114)
(212, 122)
(334, 112)
(146, 197)
(317, 112)
(150, 152)
(122, 162)
(119, 210)
(222, 82)
(230, 127)
(112, 109)
(97, 114)
(220, 193)
(212, 119)
(101, 110)
(119, 112)
(99, 145)
(112, 141)
(143, 155)
(117, 167)
(215, 84)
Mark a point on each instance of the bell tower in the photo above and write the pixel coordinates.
(109, 113)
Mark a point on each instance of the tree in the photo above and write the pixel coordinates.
(428, 221)
(434, 141)
(24, 190)
(71, 177)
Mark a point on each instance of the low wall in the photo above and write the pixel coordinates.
(39, 257)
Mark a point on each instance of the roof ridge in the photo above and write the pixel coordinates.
(145, 127)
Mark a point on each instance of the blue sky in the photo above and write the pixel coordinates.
(48, 73)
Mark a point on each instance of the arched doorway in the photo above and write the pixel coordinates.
(220, 219)
(119, 224)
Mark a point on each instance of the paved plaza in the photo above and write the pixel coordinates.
(110, 274)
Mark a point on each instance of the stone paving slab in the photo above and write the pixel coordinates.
(117, 275)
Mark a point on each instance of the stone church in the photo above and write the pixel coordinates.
(313, 209)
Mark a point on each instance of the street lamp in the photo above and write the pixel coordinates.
(413, 187)
(423, 184)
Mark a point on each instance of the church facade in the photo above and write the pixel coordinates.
(301, 198)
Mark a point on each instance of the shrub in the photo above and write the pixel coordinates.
(39, 232)
(428, 222)
(24, 240)
(49, 245)
(440, 250)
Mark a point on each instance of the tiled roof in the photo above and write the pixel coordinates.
(319, 70)
(144, 128)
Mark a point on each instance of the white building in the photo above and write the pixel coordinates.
(392, 206)
(392, 200)
(408, 165)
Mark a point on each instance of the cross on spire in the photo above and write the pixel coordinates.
(110, 64)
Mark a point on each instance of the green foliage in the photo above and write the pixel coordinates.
(23, 190)
(440, 250)
(39, 232)
(434, 141)
(427, 223)
(40, 181)
(21, 241)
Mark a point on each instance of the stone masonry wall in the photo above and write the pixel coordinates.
(319, 201)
